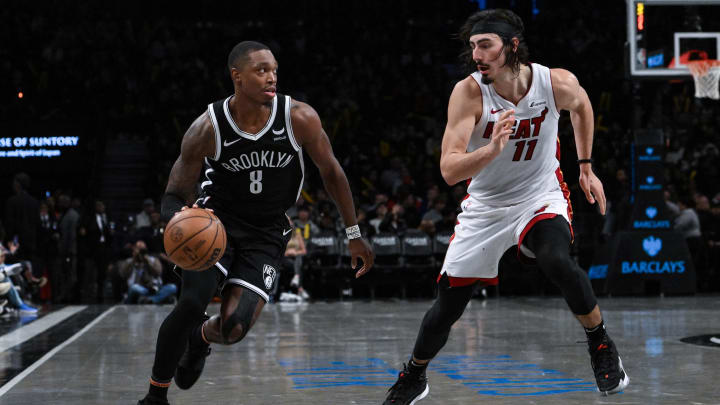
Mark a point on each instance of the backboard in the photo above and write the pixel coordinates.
(664, 34)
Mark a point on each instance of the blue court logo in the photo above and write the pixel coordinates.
(652, 245)
(598, 271)
(649, 151)
(651, 212)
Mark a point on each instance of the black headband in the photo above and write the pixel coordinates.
(501, 28)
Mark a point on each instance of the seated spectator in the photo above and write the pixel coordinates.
(7, 256)
(380, 199)
(395, 222)
(13, 296)
(702, 209)
(448, 222)
(294, 254)
(380, 214)
(411, 209)
(435, 214)
(6, 285)
(326, 223)
(432, 194)
(305, 224)
(366, 230)
(143, 219)
(143, 273)
(687, 221)
(688, 224)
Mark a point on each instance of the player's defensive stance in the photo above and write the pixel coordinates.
(502, 134)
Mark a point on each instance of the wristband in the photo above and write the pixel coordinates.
(353, 232)
(581, 161)
(169, 205)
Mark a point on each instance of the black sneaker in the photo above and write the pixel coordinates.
(191, 363)
(607, 366)
(409, 388)
(149, 400)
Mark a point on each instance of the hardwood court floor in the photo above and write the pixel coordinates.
(502, 351)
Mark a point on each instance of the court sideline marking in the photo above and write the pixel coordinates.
(10, 384)
(37, 327)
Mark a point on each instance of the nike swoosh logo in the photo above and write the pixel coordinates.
(226, 143)
(287, 231)
(496, 111)
(278, 132)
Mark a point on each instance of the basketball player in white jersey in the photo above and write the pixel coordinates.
(502, 135)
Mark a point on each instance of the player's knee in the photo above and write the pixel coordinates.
(236, 324)
(567, 276)
(234, 327)
(549, 256)
(556, 264)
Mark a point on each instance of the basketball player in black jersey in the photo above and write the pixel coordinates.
(248, 151)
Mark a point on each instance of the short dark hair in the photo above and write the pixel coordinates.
(687, 201)
(23, 180)
(240, 53)
(512, 59)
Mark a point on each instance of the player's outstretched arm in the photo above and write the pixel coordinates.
(311, 136)
(569, 95)
(464, 111)
(198, 143)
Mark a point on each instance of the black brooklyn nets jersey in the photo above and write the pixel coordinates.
(253, 176)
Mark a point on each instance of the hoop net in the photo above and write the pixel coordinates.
(706, 74)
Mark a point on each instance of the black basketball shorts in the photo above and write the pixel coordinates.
(254, 252)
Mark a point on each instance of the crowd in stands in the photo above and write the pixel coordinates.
(63, 249)
(378, 73)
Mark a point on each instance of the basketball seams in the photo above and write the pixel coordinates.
(172, 224)
(200, 228)
(210, 248)
(189, 238)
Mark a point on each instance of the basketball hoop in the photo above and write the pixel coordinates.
(706, 74)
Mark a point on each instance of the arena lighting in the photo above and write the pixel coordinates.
(640, 12)
(20, 94)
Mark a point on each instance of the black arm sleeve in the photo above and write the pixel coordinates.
(169, 205)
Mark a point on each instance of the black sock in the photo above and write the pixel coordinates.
(196, 338)
(158, 389)
(415, 368)
(595, 335)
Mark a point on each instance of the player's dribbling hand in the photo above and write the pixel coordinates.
(194, 206)
(503, 129)
(360, 248)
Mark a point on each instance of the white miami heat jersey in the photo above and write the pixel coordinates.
(529, 165)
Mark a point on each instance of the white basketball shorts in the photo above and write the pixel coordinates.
(483, 233)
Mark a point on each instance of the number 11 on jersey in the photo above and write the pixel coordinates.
(520, 146)
(256, 181)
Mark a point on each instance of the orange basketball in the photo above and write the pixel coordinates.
(195, 239)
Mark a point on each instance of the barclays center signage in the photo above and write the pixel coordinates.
(650, 154)
(642, 256)
(652, 245)
(651, 219)
(649, 183)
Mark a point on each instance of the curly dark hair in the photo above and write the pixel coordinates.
(512, 59)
